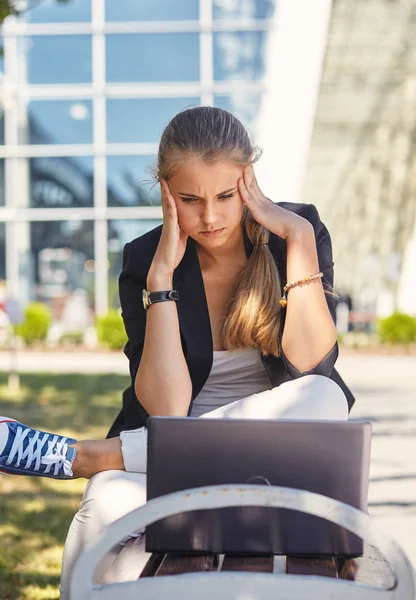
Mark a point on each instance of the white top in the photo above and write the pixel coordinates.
(235, 374)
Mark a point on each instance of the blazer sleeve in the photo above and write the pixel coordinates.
(326, 265)
(131, 286)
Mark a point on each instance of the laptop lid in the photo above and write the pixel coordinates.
(326, 457)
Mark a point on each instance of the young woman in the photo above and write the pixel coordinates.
(211, 330)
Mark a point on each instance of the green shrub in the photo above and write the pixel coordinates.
(36, 325)
(398, 328)
(110, 330)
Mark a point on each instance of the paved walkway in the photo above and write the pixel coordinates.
(385, 388)
(65, 362)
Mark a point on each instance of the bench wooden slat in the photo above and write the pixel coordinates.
(299, 565)
(372, 569)
(176, 564)
(253, 564)
(152, 564)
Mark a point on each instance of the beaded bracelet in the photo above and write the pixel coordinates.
(283, 299)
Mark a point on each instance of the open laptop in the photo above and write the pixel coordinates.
(326, 457)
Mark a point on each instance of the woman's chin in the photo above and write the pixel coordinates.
(223, 237)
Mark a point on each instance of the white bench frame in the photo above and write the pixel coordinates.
(238, 585)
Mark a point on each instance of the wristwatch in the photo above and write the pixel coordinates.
(153, 297)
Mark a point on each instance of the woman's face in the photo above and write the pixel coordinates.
(208, 201)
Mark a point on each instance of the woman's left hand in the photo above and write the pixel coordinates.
(276, 219)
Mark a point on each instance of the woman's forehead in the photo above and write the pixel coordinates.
(197, 171)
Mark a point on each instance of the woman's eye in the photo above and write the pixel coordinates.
(195, 199)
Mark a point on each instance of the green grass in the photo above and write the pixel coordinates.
(35, 512)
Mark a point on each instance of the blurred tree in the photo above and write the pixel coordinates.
(5, 10)
(16, 7)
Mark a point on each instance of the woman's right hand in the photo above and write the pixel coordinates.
(172, 243)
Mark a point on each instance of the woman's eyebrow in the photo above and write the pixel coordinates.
(195, 196)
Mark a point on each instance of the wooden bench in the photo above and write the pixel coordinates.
(371, 569)
(383, 573)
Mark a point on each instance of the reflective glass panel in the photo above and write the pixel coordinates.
(57, 11)
(2, 258)
(151, 10)
(142, 120)
(58, 269)
(2, 183)
(119, 233)
(128, 182)
(152, 57)
(54, 59)
(239, 55)
(245, 107)
(57, 182)
(243, 9)
(56, 122)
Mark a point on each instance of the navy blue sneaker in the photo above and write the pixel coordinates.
(27, 451)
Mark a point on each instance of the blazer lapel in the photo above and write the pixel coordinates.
(194, 317)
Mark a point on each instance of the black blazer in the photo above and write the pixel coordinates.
(193, 314)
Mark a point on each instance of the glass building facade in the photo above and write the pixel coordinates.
(86, 88)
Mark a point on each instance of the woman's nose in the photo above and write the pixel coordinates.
(209, 214)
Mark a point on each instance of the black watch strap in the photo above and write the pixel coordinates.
(162, 296)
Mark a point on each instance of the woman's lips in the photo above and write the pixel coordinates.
(213, 233)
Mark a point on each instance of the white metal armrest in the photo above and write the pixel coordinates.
(237, 585)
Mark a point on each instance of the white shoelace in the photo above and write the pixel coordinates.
(34, 449)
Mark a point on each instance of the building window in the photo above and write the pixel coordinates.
(55, 122)
(129, 183)
(56, 11)
(239, 55)
(119, 233)
(152, 57)
(54, 59)
(53, 98)
(61, 267)
(56, 182)
(243, 9)
(245, 107)
(151, 10)
(142, 119)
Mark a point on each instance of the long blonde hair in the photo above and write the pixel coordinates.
(254, 313)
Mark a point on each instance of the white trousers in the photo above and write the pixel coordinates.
(110, 495)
